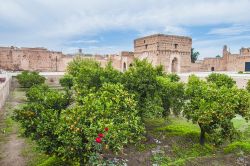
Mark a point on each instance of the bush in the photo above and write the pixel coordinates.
(110, 107)
(67, 81)
(48, 98)
(28, 79)
(40, 116)
(221, 80)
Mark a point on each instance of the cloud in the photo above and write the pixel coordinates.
(231, 30)
(52, 23)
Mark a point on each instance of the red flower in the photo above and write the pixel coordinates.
(106, 129)
(100, 135)
(98, 140)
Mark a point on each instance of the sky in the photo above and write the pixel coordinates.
(110, 26)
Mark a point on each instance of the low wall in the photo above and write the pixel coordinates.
(4, 89)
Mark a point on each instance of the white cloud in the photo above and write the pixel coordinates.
(231, 30)
(58, 21)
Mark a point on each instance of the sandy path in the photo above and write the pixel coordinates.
(11, 151)
(11, 145)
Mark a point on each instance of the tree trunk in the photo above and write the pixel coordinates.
(81, 161)
(202, 136)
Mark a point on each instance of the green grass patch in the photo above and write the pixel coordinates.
(180, 127)
(238, 147)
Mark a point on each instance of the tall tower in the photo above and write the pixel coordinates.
(172, 52)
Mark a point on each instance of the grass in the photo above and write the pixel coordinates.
(241, 146)
(183, 136)
(180, 127)
(182, 139)
(238, 147)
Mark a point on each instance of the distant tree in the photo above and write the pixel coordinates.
(28, 79)
(194, 55)
(218, 56)
(221, 80)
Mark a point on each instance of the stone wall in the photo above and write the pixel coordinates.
(4, 89)
(172, 52)
(36, 59)
(228, 62)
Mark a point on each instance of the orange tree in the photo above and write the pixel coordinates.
(157, 93)
(110, 107)
(213, 108)
(40, 115)
(27, 79)
(89, 76)
(172, 94)
(221, 80)
(140, 79)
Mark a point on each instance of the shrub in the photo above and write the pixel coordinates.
(67, 81)
(112, 107)
(28, 116)
(221, 80)
(40, 116)
(28, 79)
(48, 98)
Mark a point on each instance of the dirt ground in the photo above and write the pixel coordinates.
(11, 145)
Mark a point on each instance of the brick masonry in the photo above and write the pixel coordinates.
(170, 51)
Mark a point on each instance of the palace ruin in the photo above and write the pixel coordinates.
(172, 52)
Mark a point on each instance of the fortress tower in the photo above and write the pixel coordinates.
(173, 52)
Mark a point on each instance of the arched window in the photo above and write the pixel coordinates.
(212, 68)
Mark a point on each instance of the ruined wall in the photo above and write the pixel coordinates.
(229, 62)
(172, 52)
(37, 59)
